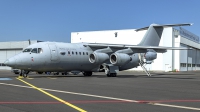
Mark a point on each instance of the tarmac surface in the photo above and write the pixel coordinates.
(128, 92)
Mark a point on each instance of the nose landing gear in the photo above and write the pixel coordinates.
(24, 74)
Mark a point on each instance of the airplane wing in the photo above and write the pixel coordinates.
(140, 49)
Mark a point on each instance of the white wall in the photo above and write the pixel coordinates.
(129, 36)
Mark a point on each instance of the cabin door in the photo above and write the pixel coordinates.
(54, 52)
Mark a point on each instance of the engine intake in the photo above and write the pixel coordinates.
(98, 57)
(149, 56)
(119, 59)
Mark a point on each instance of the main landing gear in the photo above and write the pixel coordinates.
(87, 73)
(111, 71)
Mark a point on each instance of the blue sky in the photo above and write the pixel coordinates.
(54, 20)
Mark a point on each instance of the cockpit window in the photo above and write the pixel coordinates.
(34, 50)
(27, 50)
(40, 50)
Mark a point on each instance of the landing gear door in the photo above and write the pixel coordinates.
(54, 52)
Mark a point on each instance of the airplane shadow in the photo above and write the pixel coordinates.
(154, 76)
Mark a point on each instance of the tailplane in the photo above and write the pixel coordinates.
(154, 33)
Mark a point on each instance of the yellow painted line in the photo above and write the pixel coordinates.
(67, 103)
(20, 77)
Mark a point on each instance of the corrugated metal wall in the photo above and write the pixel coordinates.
(9, 49)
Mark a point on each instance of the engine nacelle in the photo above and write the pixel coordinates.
(98, 58)
(150, 56)
(119, 59)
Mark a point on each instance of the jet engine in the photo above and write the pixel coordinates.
(98, 57)
(149, 56)
(119, 59)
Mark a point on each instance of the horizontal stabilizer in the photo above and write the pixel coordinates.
(165, 26)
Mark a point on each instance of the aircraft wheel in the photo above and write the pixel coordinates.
(109, 75)
(87, 73)
(21, 72)
(48, 73)
(56, 73)
(40, 72)
(25, 75)
(64, 73)
(114, 74)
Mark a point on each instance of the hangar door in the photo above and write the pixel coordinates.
(10, 53)
(2, 56)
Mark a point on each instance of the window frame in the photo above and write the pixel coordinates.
(34, 49)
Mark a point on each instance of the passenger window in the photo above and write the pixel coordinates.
(86, 53)
(80, 53)
(27, 50)
(68, 52)
(34, 50)
(76, 53)
(40, 50)
(72, 52)
(83, 53)
(62, 53)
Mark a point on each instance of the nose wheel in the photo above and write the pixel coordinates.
(24, 73)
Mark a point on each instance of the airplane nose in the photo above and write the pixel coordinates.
(10, 62)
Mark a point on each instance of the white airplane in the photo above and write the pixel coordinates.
(91, 57)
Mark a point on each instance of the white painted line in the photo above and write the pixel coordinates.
(97, 96)
(105, 97)
(176, 106)
(15, 85)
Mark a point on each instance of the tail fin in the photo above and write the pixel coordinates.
(154, 33)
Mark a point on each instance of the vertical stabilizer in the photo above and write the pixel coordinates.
(154, 33)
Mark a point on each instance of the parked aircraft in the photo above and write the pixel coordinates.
(91, 57)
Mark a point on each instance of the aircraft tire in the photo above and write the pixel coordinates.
(114, 74)
(87, 73)
(40, 72)
(25, 75)
(108, 75)
(111, 75)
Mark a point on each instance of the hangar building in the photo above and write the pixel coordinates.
(9, 49)
(181, 60)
